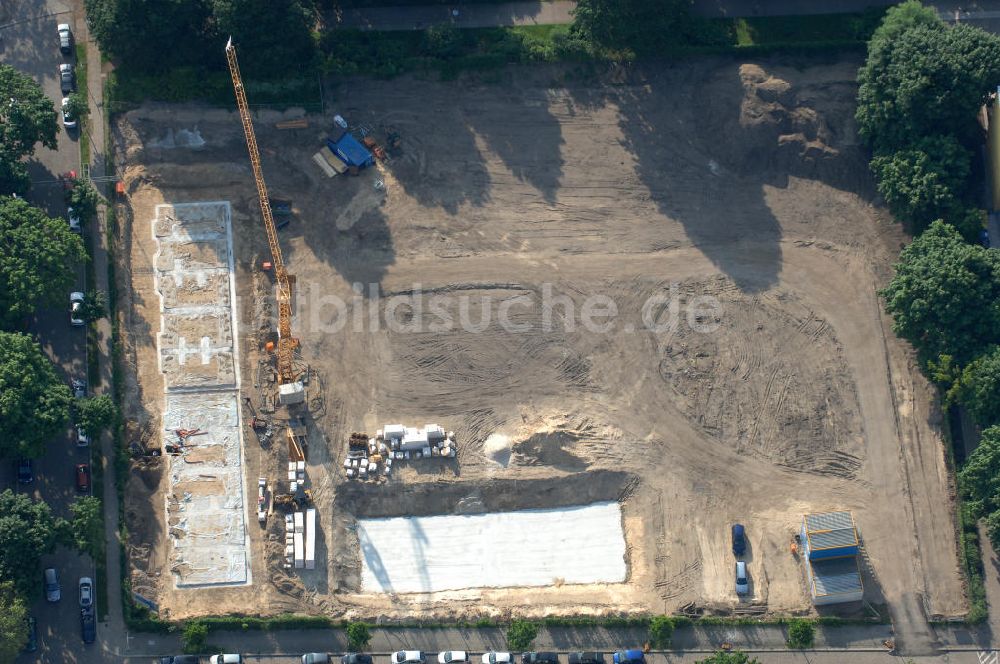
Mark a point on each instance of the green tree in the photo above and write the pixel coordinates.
(980, 387)
(272, 36)
(152, 36)
(87, 526)
(96, 414)
(27, 531)
(979, 478)
(993, 528)
(27, 117)
(924, 182)
(78, 108)
(358, 636)
(194, 637)
(730, 657)
(95, 305)
(642, 26)
(83, 198)
(521, 634)
(13, 628)
(661, 632)
(39, 255)
(34, 402)
(923, 77)
(801, 633)
(945, 296)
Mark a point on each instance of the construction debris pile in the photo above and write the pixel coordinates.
(350, 150)
(372, 458)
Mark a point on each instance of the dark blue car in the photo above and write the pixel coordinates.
(739, 540)
(629, 657)
(25, 471)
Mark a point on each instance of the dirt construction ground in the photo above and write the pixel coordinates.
(749, 374)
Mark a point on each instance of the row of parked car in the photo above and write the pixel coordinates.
(446, 657)
(53, 594)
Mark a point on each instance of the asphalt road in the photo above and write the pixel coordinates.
(29, 43)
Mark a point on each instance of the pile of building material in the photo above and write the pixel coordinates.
(344, 152)
(372, 458)
(300, 539)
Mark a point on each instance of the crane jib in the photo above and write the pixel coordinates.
(286, 343)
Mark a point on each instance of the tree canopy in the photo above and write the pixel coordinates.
(27, 117)
(87, 526)
(144, 35)
(96, 414)
(922, 183)
(27, 531)
(13, 628)
(922, 76)
(980, 387)
(945, 296)
(152, 35)
(274, 35)
(39, 255)
(979, 478)
(731, 657)
(34, 402)
(639, 25)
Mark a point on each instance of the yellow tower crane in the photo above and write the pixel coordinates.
(290, 389)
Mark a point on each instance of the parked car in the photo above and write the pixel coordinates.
(68, 119)
(229, 658)
(88, 625)
(52, 591)
(25, 471)
(498, 658)
(315, 658)
(540, 658)
(76, 309)
(407, 657)
(32, 643)
(82, 439)
(75, 223)
(629, 657)
(79, 387)
(453, 657)
(65, 38)
(82, 477)
(67, 79)
(586, 658)
(356, 658)
(86, 592)
(180, 659)
(739, 539)
(742, 582)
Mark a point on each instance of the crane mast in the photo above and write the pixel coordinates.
(286, 342)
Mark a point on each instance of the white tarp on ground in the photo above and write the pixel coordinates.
(502, 549)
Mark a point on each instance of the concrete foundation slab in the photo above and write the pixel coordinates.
(206, 506)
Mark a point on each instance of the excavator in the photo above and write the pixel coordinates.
(290, 386)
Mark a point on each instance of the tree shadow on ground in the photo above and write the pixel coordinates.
(711, 138)
(525, 135)
(724, 214)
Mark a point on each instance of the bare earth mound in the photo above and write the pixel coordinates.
(742, 371)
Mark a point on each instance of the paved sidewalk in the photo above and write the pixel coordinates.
(868, 638)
